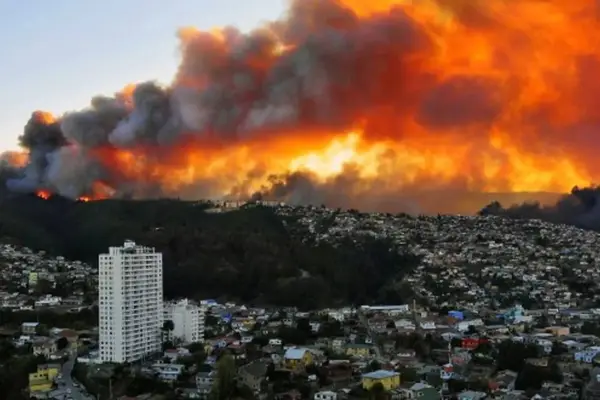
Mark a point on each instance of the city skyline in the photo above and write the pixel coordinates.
(62, 54)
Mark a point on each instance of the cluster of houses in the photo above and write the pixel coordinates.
(350, 352)
(474, 261)
(29, 277)
(481, 282)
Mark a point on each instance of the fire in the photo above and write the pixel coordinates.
(528, 52)
(16, 159)
(44, 117)
(43, 194)
(375, 99)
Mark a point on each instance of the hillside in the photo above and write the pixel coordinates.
(247, 254)
(315, 256)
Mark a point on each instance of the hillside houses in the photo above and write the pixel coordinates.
(473, 261)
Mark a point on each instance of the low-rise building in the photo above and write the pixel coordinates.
(204, 383)
(422, 391)
(388, 379)
(43, 379)
(168, 372)
(358, 350)
(253, 375)
(587, 355)
(188, 320)
(29, 328)
(325, 395)
(45, 347)
(297, 358)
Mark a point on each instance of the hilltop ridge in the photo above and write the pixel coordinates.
(315, 256)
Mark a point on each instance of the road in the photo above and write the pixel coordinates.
(77, 392)
(365, 322)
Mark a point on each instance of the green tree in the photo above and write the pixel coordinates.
(42, 330)
(199, 357)
(377, 392)
(7, 350)
(43, 286)
(303, 325)
(62, 343)
(253, 254)
(408, 374)
(224, 385)
(512, 355)
(195, 347)
(559, 348)
(373, 366)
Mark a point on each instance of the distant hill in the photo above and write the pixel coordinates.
(247, 254)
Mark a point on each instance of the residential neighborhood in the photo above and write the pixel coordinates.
(496, 308)
(397, 351)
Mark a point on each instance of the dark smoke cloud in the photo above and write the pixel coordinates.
(348, 191)
(581, 207)
(230, 88)
(41, 138)
(336, 70)
(92, 127)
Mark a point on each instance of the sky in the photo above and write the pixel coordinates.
(58, 54)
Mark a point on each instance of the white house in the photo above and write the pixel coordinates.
(463, 326)
(168, 372)
(325, 395)
(587, 355)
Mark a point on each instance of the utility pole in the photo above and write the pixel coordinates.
(110, 393)
(415, 316)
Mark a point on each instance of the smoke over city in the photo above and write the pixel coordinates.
(391, 105)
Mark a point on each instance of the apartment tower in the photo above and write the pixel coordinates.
(188, 321)
(131, 302)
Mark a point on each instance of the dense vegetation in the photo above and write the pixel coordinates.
(246, 255)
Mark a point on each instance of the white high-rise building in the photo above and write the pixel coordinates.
(131, 302)
(188, 321)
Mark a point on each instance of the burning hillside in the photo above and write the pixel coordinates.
(368, 104)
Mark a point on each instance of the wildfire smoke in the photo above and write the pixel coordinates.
(380, 105)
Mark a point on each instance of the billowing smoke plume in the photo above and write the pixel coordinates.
(386, 104)
(581, 207)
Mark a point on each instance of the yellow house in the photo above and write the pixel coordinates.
(43, 379)
(358, 350)
(33, 279)
(249, 323)
(388, 379)
(297, 358)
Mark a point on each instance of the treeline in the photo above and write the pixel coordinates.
(245, 255)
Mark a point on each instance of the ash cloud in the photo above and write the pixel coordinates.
(231, 87)
(41, 137)
(581, 208)
(321, 68)
(349, 191)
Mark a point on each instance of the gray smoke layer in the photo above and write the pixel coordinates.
(581, 208)
(228, 88)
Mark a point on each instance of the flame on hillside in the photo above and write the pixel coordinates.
(43, 194)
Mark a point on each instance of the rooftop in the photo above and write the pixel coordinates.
(294, 354)
(380, 374)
